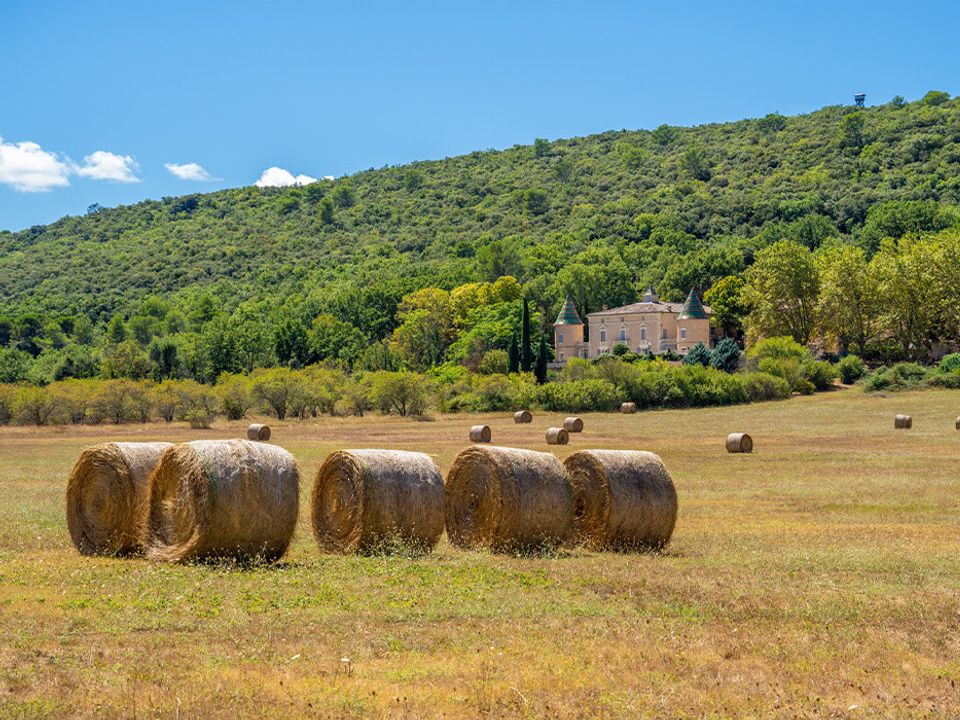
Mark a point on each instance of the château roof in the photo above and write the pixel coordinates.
(568, 314)
(693, 309)
(654, 307)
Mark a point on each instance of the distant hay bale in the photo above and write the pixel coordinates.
(522, 417)
(739, 443)
(622, 499)
(508, 500)
(258, 432)
(903, 422)
(107, 496)
(628, 408)
(377, 500)
(957, 423)
(557, 436)
(222, 499)
(480, 434)
(573, 425)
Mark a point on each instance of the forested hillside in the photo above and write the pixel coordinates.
(599, 217)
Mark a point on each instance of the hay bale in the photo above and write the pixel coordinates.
(521, 417)
(107, 496)
(573, 425)
(956, 423)
(508, 500)
(480, 434)
(628, 408)
(557, 436)
(258, 432)
(739, 443)
(903, 422)
(377, 500)
(622, 499)
(222, 499)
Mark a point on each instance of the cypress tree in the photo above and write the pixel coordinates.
(514, 354)
(540, 372)
(526, 351)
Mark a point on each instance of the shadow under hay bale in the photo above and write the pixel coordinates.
(628, 408)
(522, 417)
(480, 434)
(107, 496)
(222, 499)
(623, 500)
(573, 425)
(508, 500)
(367, 501)
(557, 436)
(739, 443)
(258, 432)
(903, 422)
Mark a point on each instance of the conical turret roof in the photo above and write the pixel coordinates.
(568, 314)
(692, 309)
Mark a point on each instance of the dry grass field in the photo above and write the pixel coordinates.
(818, 577)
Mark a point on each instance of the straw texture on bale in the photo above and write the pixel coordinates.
(903, 422)
(377, 500)
(628, 408)
(739, 443)
(522, 417)
(508, 500)
(557, 436)
(107, 496)
(258, 432)
(622, 499)
(222, 499)
(573, 424)
(480, 434)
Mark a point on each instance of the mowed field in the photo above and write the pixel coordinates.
(818, 577)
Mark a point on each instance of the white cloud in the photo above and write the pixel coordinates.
(329, 177)
(278, 177)
(189, 171)
(27, 167)
(103, 165)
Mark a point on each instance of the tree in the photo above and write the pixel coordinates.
(849, 302)
(234, 394)
(781, 292)
(405, 393)
(526, 351)
(513, 355)
(426, 328)
(163, 353)
(540, 371)
(725, 299)
(851, 131)
(116, 330)
(333, 339)
(699, 355)
(695, 164)
(126, 360)
(290, 341)
(541, 147)
(277, 388)
(909, 294)
(725, 356)
(326, 211)
(595, 278)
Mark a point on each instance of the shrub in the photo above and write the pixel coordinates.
(899, 377)
(820, 374)
(234, 394)
(7, 395)
(726, 356)
(579, 396)
(761, 386)
(33, 406)
(494, 362)
(166, 399)
(198, 404)
(118, 401)
(850, 368)
(949, 363)
(949, 380)
(405, 393)
(699, 355)
(275, 388)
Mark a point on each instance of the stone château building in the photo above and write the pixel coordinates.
(648, 326)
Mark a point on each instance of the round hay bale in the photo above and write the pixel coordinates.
(222, 499)
(480, 434)
(903, 422)
(376, 501)
(521, 417)
(622, 499)
(957, 423)
(107, 496)
(557, 436)
(628, 408)
(573, 425)
(508, 500)
(739, 443)
(258, 432)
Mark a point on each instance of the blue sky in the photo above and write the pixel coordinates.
(96, 98)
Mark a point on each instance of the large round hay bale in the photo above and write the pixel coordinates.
(956, 423)
(377, 501)
(628, 408)
(258, 432)
(508, 500)
(107, 496)
(622, 499)
(521, 417)
(739, 443)
(480, 434)
(557, 436)
(222, 499)
(573, 425)
(903, 422)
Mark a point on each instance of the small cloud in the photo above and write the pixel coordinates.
(278, 177)
(329, 177)
(27, 167)
(189, 171)
(103, 165)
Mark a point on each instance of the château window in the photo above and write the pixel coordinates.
(603, 336)
(664, 334)
(623, 333)
(560, 339)
(683, 333)
(643, 334)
